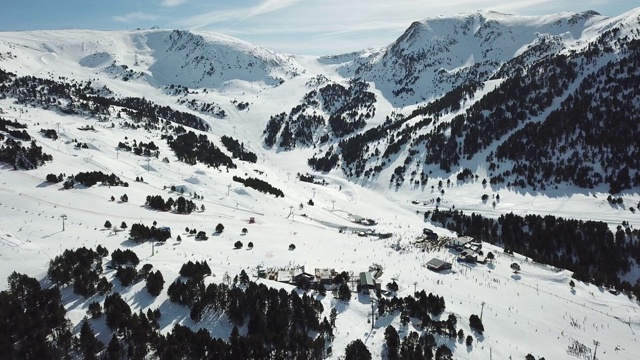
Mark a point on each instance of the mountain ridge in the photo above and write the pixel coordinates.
(443, 68)
(162, 57)
(450, 45)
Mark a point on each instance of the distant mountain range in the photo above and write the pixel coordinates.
(528, 101)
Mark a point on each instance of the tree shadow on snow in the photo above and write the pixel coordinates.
(563, 190)
(130, 243)
(469, 348)
(340, 305)
(364, 299)
(172, 314)
(217, 323)
(72, 300)
(142, 298)
(385, 320)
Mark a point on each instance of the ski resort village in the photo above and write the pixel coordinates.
(469, 191)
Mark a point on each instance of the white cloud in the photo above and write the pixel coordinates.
(234, 15)
(134, 16)
(268, 6)
(172, 3)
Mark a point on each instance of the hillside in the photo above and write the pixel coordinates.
(158, 57)
(183, 147)
(540, 118)
(437, 55)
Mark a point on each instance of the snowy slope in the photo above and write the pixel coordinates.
(521, 312)
(160, 57)
(534, 311)
(434, 56)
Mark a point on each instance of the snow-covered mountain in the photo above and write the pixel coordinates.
(436, 55)
(520, 132)
(502, 85)
(158, 57)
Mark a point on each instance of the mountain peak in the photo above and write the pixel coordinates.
(160, 57)
(433, 55)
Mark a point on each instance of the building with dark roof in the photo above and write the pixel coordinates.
(438, 265)
(468, 255)
(366, 282)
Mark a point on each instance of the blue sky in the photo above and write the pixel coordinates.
(318, 27)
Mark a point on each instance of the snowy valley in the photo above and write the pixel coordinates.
(334, 180)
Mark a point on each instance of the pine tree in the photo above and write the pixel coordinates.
(114, 349)
(104, 286)
(332, 316)
(392, 340)
(155, 283)
(469, 340)
(490, 256)
(94, 310)
(451, 325)
(322, 291)
(443, 353)
(88, 342)
(404, 317)
(344, 293)
(244, 278)
(357, 350)
(475, 323)
(102, 251)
